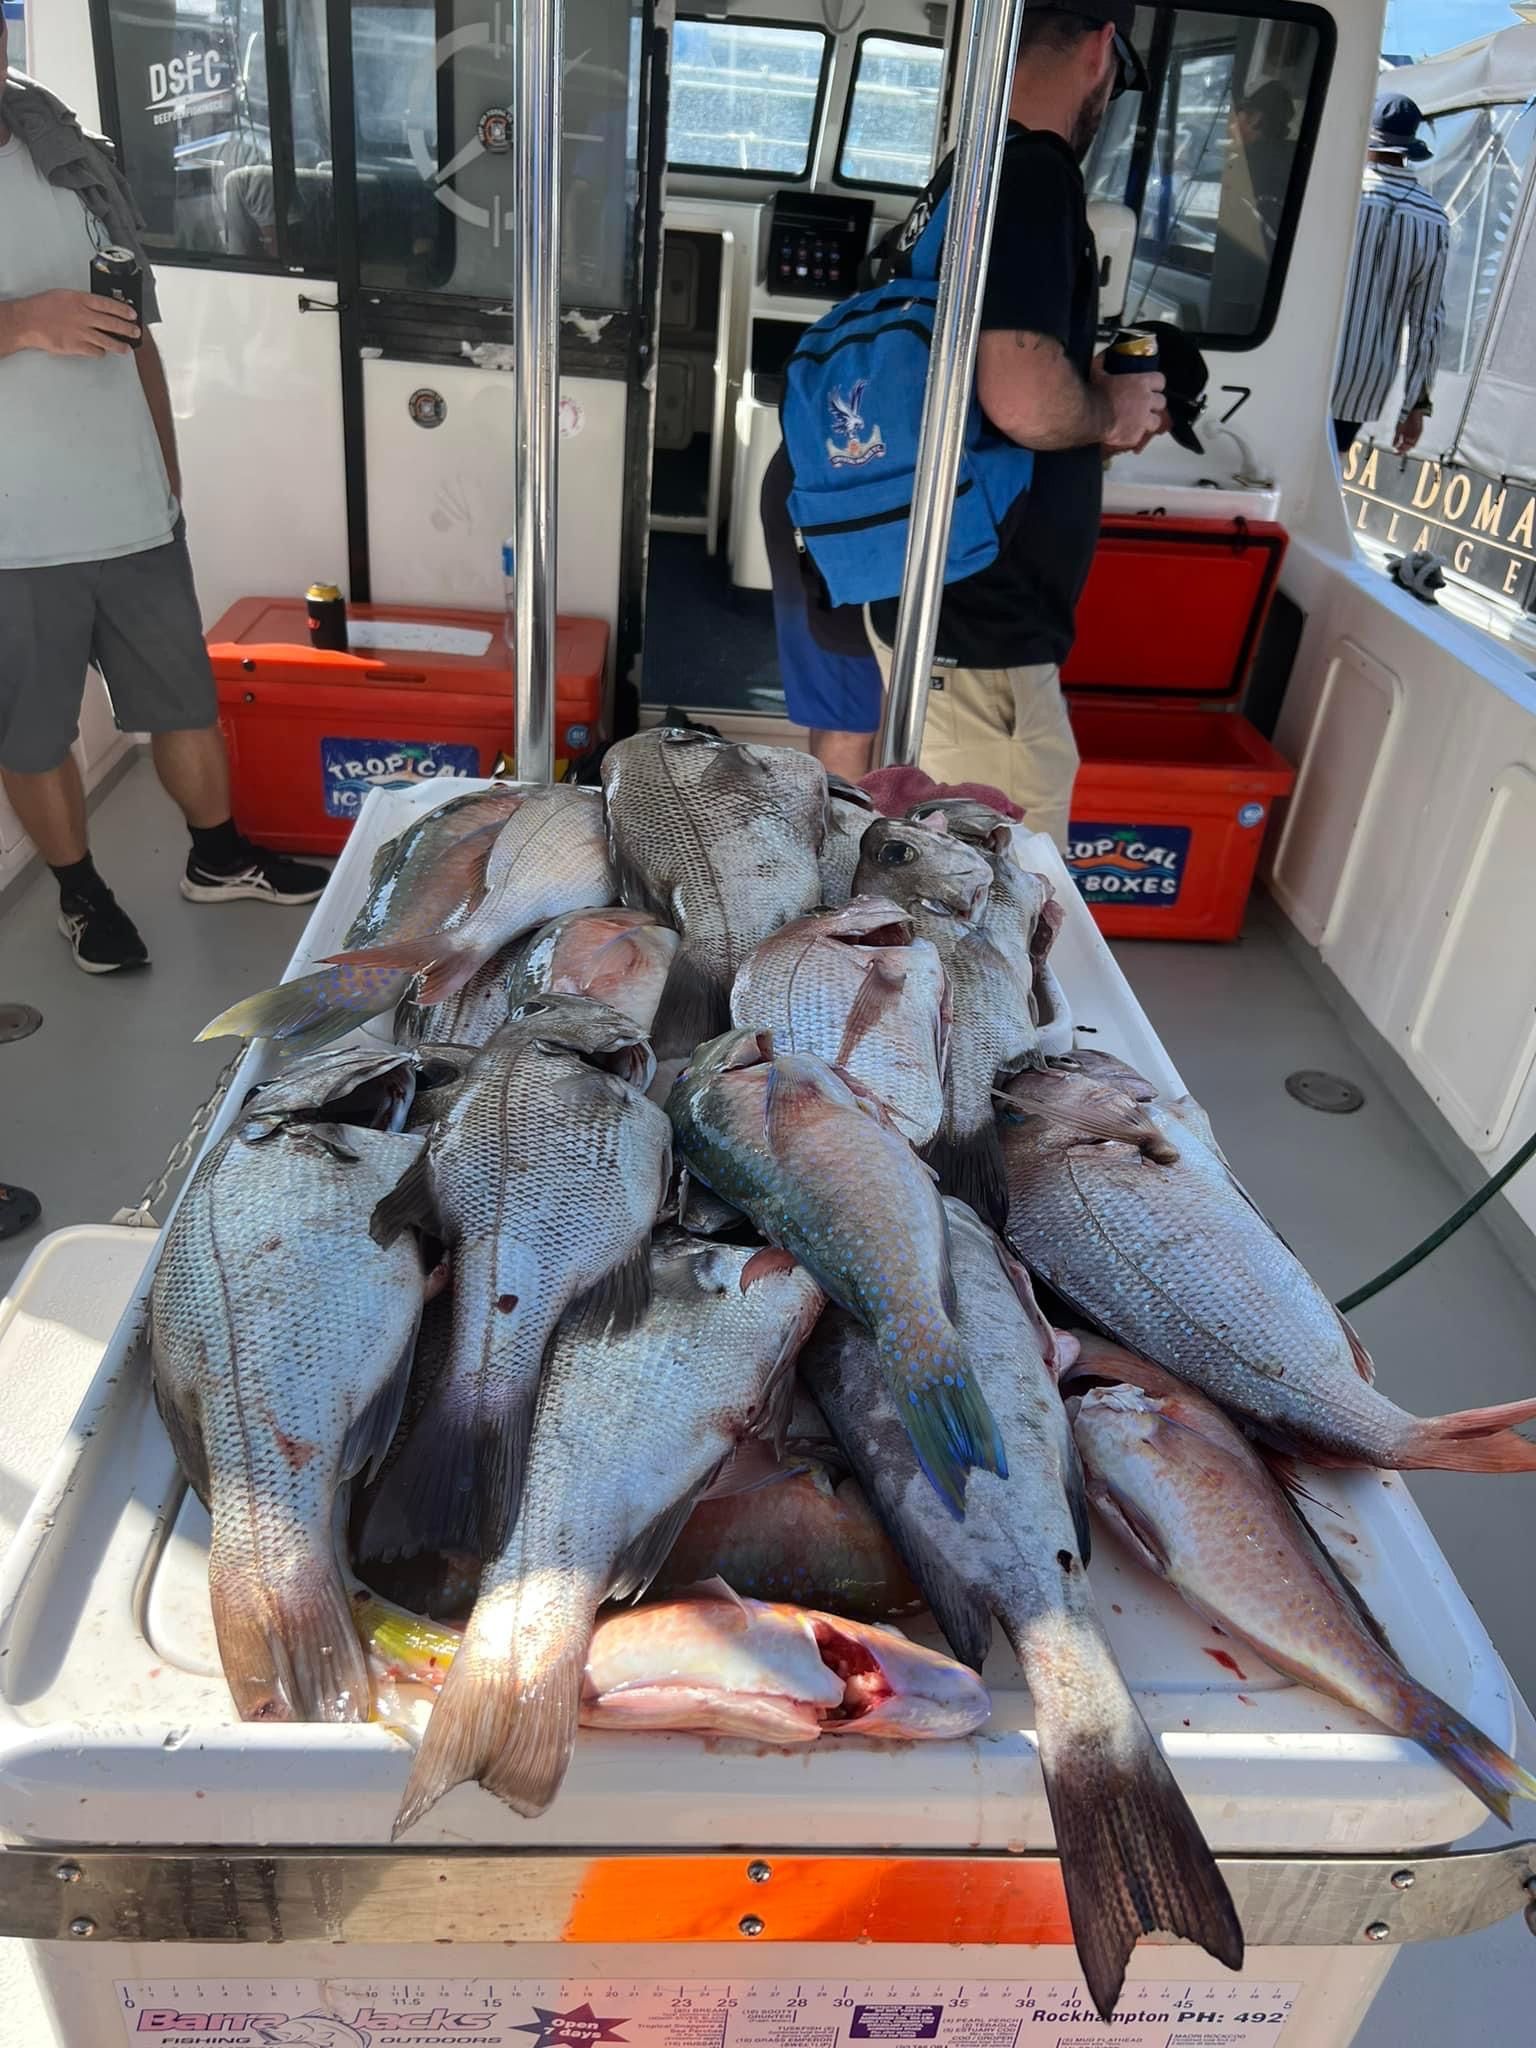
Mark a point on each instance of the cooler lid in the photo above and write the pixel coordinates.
(1174, 607)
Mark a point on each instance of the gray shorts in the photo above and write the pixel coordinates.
(135, 618)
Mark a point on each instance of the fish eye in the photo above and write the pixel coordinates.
(896, 853)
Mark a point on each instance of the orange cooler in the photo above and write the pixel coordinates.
(422, 694)
(1175, 787)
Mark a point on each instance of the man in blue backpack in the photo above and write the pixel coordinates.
(995, 710)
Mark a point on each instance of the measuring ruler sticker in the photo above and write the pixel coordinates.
(373, 2012)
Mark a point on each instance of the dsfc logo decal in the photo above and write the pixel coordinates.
(1138, 864)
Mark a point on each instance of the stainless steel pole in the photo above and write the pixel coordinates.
(538, 79)
(984, 98)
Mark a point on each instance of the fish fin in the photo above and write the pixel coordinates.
(1329, 1565)
(874, 1106)
(636, 890)
(879, 991)
(764, 1262)
(693, 1007)
(1114, 1119)
(1476, 1759)
(314, 1010)
(454, 1486)
(287, 1641)
(640, 1561)
(717, 1589)
(963, 1616)
(1365, 1365)
(515, 1738)
(614, 1304)
(971, 1168)
(1472, 1440)
(794, 1089)
(185, 1431)
(1075, 1486)
(367, 1442)
(1133, 1859)
(1144, 1535)
(410, 1204)
(771, 1423)
(951, 1427)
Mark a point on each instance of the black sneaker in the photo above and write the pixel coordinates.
(262, 876)
(19, 1210)
(101, 934)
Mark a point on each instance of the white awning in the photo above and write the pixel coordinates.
(1493, 71)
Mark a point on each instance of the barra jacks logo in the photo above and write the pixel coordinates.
(1138, 864)
(579, 2028)
(846, 449)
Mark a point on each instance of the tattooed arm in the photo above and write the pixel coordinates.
(1031, 392)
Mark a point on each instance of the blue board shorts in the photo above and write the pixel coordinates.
(833, 688)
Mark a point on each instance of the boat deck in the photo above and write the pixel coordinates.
(92, 1103)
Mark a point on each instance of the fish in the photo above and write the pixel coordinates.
(1171, 1258)
(803, 1532)
(850, 811)
(280, 1340)
(856, 987)
(720, 840)
(980, 910)
(547, 1172)
(375, 1088)
(422, 880)
(1132, 1857)
(715, 1664)
(618, 957)
(628, 1432)
(1195, 1502)
(823, 1173)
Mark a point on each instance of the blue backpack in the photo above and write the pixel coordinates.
(852, 413)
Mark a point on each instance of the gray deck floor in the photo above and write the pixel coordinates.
(90, 1106)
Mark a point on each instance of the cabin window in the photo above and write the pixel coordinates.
(891, 126)
(1480, 159)
(1213, 160)
(746, 97)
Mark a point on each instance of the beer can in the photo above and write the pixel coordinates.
(327, 617)
(1132, 355)
(115, 274)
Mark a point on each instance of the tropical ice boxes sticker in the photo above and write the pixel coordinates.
(1142, 864)
(350, 768)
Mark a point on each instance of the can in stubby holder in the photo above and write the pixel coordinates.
(1132, 355)
(115, 274)
(327, 617)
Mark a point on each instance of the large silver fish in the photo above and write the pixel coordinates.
(822, 1172)
(981, 911)
(850, 812)
(1192, 1499)
(1132, 1857)
(721, 841)
(1152, 1239)
(281, 1338)
(856, 987)
(548, 1169)
(628, 1432)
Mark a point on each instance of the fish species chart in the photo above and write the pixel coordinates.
(365, 2012)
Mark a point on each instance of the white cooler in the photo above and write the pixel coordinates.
(183, 1878)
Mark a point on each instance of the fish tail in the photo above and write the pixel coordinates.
(506, 1718)
(454, 1486)
(946, 1414)
(1473, 1757)
(1472, 1440)
(970, 1167)
(694, 1006)
(314, 1010)
(1133, 1859)
(287, 1640)
(443, 967)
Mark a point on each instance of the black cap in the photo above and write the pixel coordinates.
(1117, 14)
(1185, 375)
(1395, 124)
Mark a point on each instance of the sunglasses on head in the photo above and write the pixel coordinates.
(1131, 73)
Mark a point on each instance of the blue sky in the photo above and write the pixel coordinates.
(1422, 28)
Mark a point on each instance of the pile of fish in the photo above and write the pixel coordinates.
(466, 1336)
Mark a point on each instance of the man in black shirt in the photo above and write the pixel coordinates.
(995, 709)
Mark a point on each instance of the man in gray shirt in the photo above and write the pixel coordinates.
(93, 559)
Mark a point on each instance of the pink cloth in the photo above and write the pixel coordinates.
(896, 790)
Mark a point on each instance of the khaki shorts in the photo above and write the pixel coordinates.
(1003, 726)
(135, 618)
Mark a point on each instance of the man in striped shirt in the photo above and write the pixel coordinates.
(1401, 243)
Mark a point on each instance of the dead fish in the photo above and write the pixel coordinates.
(1132, 1857)
(980, 912)
(856, 987)
(850, 811)
(618, 957)
(628, 1432)
(1171, 1258)
(721, 841)
(1196, 1503)
(372, 1088)
(547, 1174)
(281, 1338)
(1095, 1105)
(423, 880)
(822, 1172)
(718, 1665)
(800, 1530)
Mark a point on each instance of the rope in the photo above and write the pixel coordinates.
(1448, 1229)
(142, 1216)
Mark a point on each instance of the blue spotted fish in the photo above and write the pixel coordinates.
(817, 1165)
